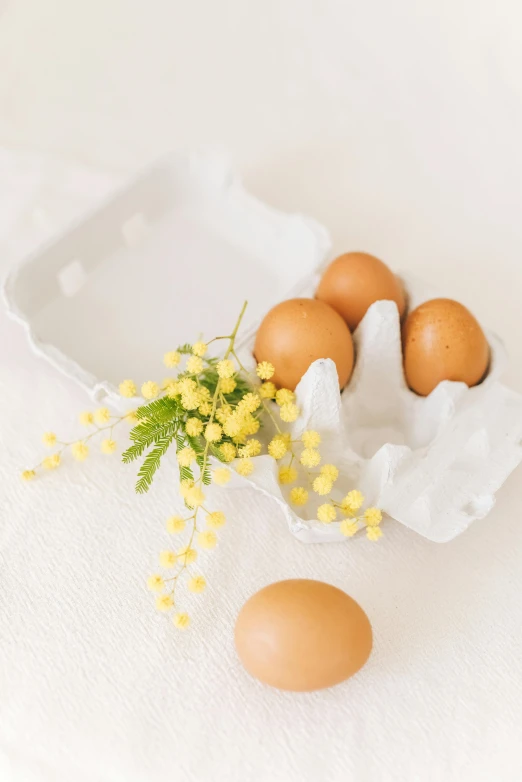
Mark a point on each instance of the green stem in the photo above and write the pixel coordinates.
(217, 392)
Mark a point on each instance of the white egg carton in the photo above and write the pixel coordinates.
(175, 253)
(433, 463)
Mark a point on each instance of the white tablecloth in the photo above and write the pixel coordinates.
(396, 124)
(94, 685)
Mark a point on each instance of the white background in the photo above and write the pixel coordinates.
(399, 126)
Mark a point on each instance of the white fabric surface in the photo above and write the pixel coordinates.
(95, 686)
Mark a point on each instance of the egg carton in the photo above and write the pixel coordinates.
(178, 249)
(433, 463)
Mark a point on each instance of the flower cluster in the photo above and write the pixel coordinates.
(100, 425)
(304, 464)
(212, 412)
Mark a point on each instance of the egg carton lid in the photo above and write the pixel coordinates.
(173, 253)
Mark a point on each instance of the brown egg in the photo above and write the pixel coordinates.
(297, 332)
(302, 635)
(441, 340)
(354, 281)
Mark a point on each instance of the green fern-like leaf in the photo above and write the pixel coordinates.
(146, 434)
(152, 462)
(196, 444)
(133, 452)
(159, 410)
(138, 448)
(185, 349)
(186, 474)
(214, 450)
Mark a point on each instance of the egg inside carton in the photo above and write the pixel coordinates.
(432, 463)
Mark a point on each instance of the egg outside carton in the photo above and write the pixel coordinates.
(432, 463)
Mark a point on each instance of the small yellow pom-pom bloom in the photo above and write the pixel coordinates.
(195, 497)
(228, 452)
(199, 349)
(213, 433)
(195, 365)
(167, 558)
(353, 501)
(277, 448)
(155, 583)
(322, 485)
(265, 370)
(108, 446)
(221, 476)
(250, 425)
(310, 457)
(311, 439)
(181, 621)
(284, 396)
(131, 417)
(128, 389)
(171, 359)
(204, 394)
(28, 475)
(373, 533)
(223, 413)
(172, 389)
(186, 456)
(249, 403)
(232, 425)
(289, 412)
(299, 496)
(194, 427)
(205, 409)
(287, 475)
(252, 448)
(102, 415)
(228, 385)
(330, 471)
(225, 368)
(267, 390)
(326, 513)
(373, 517)
(52, 462)
(185, 486)
(197, 584)
(86, 418)
(245, 467)
(150, 390)
(187, 384)
(164, 602)
(207, 539)
(49, 439)
(175, 524)
(190, 400)
(187, 555)
(348, 528)
(216, 519)
(80, 451)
